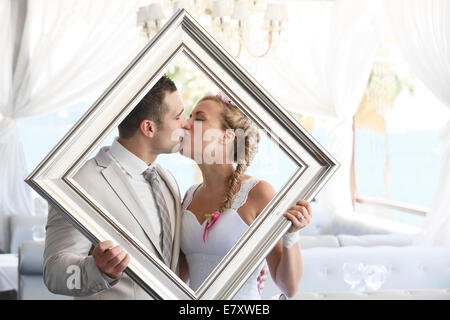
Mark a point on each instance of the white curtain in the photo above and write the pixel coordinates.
(54, 53)
(324, 72)
(421, 29)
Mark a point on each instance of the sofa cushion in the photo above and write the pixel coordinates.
(31, 258)
(352, 223)
(21, 229)
(307, 242)
(376, 240)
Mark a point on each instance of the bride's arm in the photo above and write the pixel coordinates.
(286, 267)
(285, 264)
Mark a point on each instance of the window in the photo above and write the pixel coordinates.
(397, 160)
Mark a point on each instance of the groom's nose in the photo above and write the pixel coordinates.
(186, 124)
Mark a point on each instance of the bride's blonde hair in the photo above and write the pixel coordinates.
(235, 119)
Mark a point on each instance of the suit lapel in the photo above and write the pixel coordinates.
(118, 182)
(176, 237)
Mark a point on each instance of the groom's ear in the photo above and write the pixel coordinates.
(148, 128)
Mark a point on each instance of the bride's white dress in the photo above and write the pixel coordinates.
(201, 257)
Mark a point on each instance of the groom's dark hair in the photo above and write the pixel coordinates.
(151, 107)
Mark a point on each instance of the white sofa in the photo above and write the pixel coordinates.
(353, 223)
(28, 269)
(30, 258)
(31, 285)
(410, 268)
(413, 272)
(20, 229)
(420, 294)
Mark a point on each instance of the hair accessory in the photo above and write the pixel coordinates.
(224, 98)
(210, 223)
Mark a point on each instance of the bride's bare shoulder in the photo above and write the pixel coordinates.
(261, 194)
(257, 199)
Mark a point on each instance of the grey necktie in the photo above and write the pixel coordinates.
(151, 175)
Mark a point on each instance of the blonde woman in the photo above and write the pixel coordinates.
(219, 210)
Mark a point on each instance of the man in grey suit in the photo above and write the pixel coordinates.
(143, 197)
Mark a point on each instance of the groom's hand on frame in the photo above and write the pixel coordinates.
(110, 260)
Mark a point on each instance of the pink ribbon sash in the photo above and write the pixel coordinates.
(209, 224)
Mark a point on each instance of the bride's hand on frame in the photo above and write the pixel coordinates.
(262, 278)
(299, 215)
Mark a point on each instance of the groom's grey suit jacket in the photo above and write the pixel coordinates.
(65, 246)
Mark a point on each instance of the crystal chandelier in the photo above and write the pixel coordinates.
(243, 27)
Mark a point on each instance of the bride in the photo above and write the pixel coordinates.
(220, 209)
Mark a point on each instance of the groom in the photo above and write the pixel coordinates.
(142, 196)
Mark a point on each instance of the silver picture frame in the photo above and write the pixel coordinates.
(52, 178)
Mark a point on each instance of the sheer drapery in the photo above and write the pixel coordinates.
(323, 71)
(422, 32)
(54, 53)
(57, 52)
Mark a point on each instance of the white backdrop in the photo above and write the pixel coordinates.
(324, 72)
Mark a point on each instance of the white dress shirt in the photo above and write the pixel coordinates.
(134, 167)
